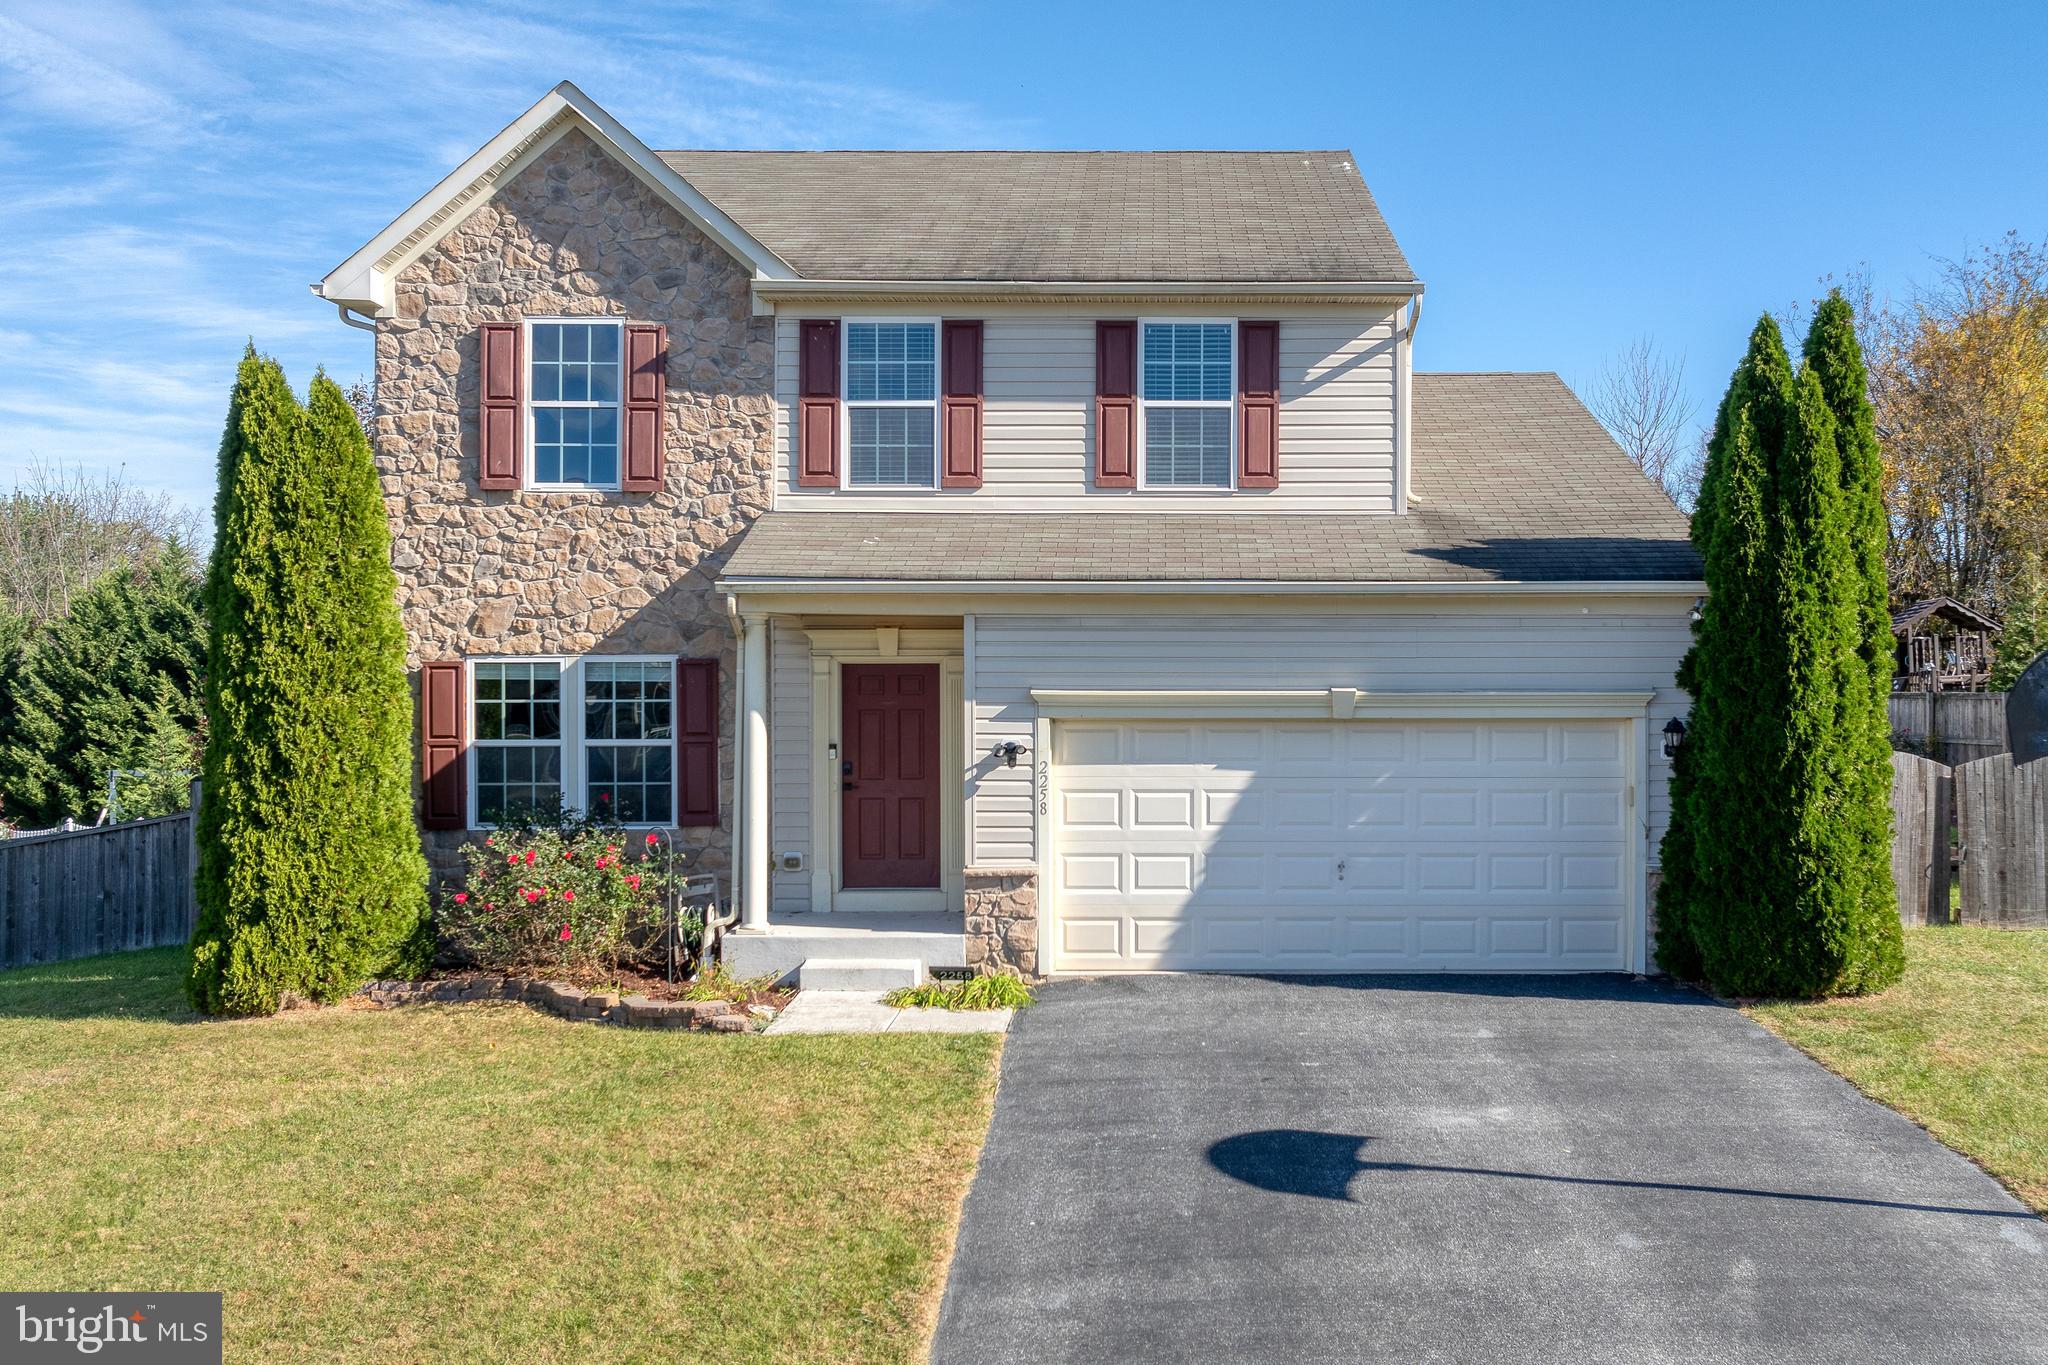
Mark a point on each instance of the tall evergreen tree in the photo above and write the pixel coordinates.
(1875, 947)
(89, 686)
(1714, 909)
(310, 873)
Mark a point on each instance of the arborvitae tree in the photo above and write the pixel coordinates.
(1708, 903)
(1875, 948)
(310, 873)
(2024, 636)
(89, 685)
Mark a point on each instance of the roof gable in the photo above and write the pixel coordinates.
(365, 281)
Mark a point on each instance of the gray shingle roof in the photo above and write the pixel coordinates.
(1514, 481)
(1034, 216)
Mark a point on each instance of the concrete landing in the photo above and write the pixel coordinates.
(933, 938)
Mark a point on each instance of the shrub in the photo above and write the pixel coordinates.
(310, 876)
(991, 991)
(574, 898)
(716, 983)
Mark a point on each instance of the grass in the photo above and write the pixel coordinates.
(482, 1182)
(1960, 1046)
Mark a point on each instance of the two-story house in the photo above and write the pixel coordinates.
(1041, 558)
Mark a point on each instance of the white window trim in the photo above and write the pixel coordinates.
(846, 406)
(617, 405)
(1229, 405)
(574, 745)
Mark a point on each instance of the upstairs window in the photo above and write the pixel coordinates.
(892, 404)
(1187, 398)
(574, 388)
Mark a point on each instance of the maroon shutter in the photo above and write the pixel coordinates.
(696, 741)
(1116, 405)
(646, 391)
(499, 437)
(444, 733)
(817, 404)
(960, 405)
(1258, 405)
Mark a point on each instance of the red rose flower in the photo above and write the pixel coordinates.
(652, 838)
(569, 895)
(529, 857)
(634, 881)
(462, 898)
(564, 935)
(532, 896)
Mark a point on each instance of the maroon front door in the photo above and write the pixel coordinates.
(889, 769)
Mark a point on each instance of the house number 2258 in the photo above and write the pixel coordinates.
(1044, 786)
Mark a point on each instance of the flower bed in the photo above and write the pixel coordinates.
(570, 1002)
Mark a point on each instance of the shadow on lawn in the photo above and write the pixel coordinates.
(1325, 1166)
(148, 985)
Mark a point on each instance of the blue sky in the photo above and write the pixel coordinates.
(1564, 177)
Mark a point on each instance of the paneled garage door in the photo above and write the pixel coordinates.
(1341, 845)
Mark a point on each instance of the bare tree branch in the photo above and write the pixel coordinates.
(1640, 398)
(61, 528)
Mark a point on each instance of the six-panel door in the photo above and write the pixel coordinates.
(889, 800)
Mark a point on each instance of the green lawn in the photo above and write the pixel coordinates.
(481, 1182)
(1961, 1046)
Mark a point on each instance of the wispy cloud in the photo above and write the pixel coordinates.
(173, 177)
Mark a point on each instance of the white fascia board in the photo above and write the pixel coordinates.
(1340, 703)
(365, 281)
(1358, 291)
(1179, 587)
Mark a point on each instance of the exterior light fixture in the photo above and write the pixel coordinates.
(1699, 610)
(1674, 736)
(1008, 752)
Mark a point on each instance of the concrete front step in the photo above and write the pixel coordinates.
(859, 973)
(932, 939)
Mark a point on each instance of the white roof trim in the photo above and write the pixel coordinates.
(1242, 291)
(1620, 587)
(365, 281)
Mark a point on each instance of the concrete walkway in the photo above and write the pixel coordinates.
(1527, 1170)
(864, 1012)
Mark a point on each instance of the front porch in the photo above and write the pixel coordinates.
(855, 780)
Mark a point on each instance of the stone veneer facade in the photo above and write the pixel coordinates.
(1002, 918)
(507, 573)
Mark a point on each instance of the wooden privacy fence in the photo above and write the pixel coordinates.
(1950, 727)
(1989, 820)
(99, 890)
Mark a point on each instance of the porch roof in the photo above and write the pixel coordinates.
(1514, 481)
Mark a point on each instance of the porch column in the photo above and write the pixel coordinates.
(754, 773)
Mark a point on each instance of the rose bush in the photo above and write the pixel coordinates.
(578, 899)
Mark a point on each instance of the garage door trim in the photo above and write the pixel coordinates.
(1347, 703)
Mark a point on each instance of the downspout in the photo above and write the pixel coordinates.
(720, 918)
(364, 324)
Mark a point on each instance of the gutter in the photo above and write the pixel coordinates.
(366, 324)
(1388, 291)
(1230, 586)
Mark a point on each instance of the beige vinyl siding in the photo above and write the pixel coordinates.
(1338, 386)
(1634, 646)
(789, 766)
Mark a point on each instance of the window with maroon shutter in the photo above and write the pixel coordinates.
(817, 404)
(696, 741)
(444, 731)
(1116, 404)
(1258, 405)
(646, 393)
(960, 404)
(500, 437)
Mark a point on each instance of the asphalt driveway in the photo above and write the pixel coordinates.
(1223, 1169)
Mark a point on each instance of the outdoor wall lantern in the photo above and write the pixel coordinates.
(1699, 610)
(1674, 736)
(1008, 752)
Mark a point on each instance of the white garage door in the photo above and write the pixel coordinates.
(1341, 846)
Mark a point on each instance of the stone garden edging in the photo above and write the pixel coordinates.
(569, 1002)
